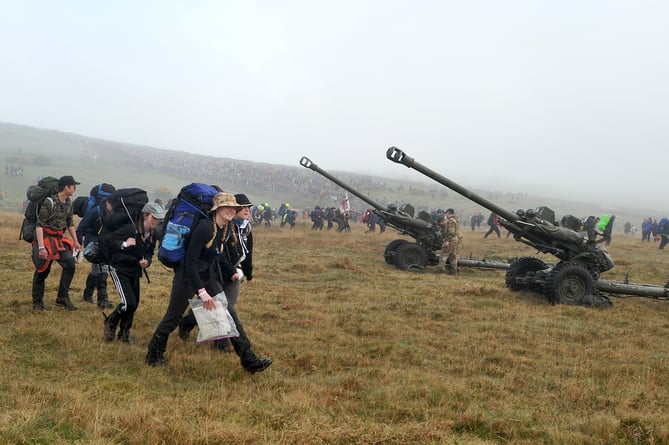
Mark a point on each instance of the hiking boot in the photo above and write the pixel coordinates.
(89, 289)
(184, 332)
(104, 303)
(39, 306)
(101, 285)
(257, 365)
(156, 359)
(66, 304)
(110, 324)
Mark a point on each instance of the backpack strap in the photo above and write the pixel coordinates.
(39, 207)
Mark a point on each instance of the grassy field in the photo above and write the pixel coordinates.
(363, 354)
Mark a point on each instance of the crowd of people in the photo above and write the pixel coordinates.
(656, 230)
(218, 257)
(13, 170)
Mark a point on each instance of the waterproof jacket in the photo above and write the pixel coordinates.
(126, 260)
(90, 226)
(201, 257)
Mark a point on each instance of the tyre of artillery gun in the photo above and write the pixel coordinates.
(572, 280)
(404, 254)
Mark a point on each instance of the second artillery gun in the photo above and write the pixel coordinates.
(400, 252)
(572, 280)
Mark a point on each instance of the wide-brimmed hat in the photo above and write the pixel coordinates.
(67, 180)
(154, 209)
(224, 200)
(242, 200)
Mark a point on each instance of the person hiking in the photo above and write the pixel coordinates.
(236, 264)
(55, 217)
(493, 222)
(130, 246)
(241, 254)
(200, 274)
(88, 231)
(317, 216)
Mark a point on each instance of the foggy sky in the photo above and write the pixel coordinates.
(566, 98)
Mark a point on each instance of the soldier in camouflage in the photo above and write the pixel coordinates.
(449, 225)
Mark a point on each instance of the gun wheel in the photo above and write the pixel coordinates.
(569, 283)
(410, 256)
(523, 267)
(391, 248)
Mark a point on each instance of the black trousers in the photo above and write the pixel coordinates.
(128, 288)
(493, 228)
(663, 241)
(66, 261)
(182, 291)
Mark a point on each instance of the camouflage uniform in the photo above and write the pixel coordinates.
(450, 230)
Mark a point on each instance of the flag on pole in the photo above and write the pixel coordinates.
(345, 205)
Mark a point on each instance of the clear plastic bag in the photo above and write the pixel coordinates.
(213, 324)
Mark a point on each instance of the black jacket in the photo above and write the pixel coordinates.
(200, 259)
(126, 260)
(245, 236)
(231, 252)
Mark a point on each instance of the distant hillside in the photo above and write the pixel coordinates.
(161, 172)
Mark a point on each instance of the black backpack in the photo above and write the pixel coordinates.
(36, 195)
(79, 206)
(129, 202)
(127, 207)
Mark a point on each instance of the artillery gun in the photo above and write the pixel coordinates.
(572, 280)
(401, 252)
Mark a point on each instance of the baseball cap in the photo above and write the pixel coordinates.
(67, 180)
(154, 209)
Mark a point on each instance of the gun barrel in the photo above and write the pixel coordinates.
(306, 162)
(637, 289)
(398, 156)
(483, 263)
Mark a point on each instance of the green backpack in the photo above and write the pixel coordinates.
(603, 222)
(36, 194)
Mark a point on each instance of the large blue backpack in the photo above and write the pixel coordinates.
(98, 195)
(82, 205)
(663, 227)
(193, 202)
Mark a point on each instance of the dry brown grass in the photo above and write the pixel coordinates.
(363, 353)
